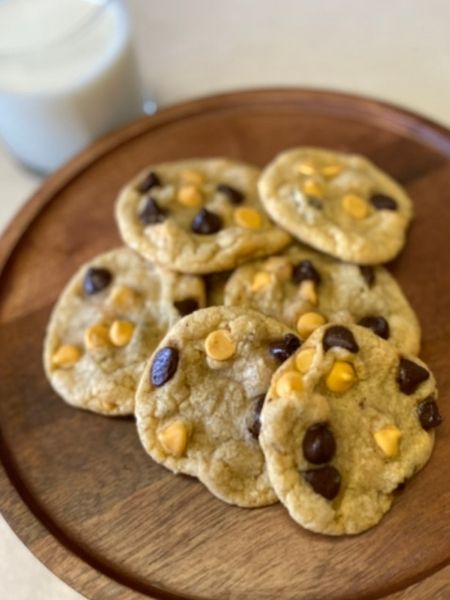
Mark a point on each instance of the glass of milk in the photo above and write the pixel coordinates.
(67, 76)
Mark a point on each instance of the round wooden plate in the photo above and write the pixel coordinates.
(78, 488)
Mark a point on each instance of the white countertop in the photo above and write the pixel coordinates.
(401, 54)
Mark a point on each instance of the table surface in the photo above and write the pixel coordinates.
(402, 56)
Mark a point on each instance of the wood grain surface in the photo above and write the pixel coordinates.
(78, 488)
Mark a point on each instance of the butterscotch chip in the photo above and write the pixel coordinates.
(122, 297)
(330, 171)
(192, 176)
(290, 382)
(355, 206)
(306, 168)
(109, 407)
(312, 187)
(249, 218)
(66, 356)
(219, 345)
(341, 377)
(304, 359)
(307, 291)
(174, 438)
(388, 439)
(96, 336)
(121, 332)
(261, 280)
(308, 322)
(190, 195)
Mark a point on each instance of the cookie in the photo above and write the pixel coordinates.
(109, 318)
(338, 203)
(197, 216)
(198, 403)
(347, 420)
(302, 281)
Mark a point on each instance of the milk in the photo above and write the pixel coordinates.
(67, 76)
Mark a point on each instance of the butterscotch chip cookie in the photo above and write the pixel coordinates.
(338, 203)
(197, 216)
(347, 419)
(198, 403)
(302, 281)
(108, 319)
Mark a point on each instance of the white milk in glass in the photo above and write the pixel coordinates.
(67, 76)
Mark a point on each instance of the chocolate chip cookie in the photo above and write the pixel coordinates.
(302, 282)
(198, 403)
(109, 318)
(197, 216)
(338, 203)
(347, 419)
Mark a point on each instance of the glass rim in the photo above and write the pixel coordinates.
(60, 38)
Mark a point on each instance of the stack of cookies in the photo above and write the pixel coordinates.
(249, 327)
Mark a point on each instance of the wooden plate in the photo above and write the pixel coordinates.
(78, 488)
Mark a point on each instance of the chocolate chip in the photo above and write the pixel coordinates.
(314, 202)
(96, 280)
(282, 349)
(152, 213)
(186, 306)
(164, 366)
(410, 376)
(368, 274)
(428, 412)
(318, 444)
(254, 426)
(206, 222)
(383, 202)
(325, 481)
(306, 270)
(338, 335)
(378, 325)
(152, 180)
(233, 195)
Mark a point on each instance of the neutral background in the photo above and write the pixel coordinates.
(396, 50)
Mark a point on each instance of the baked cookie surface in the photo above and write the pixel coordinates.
(198, 403)
(108, 319)
(301, 280)
(338, 203)
(197, 216)
(347, 420)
